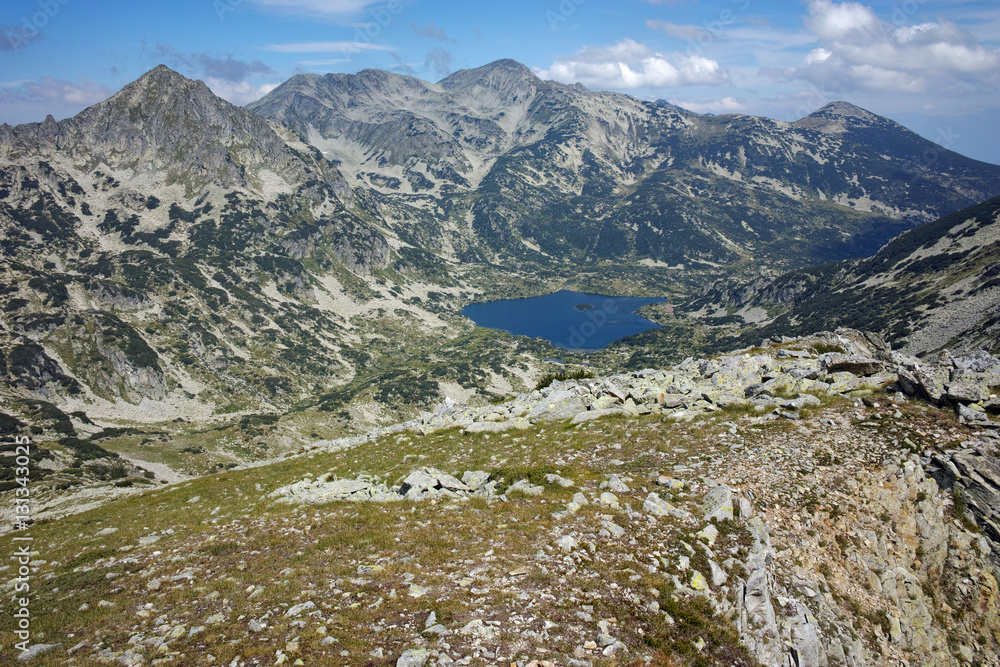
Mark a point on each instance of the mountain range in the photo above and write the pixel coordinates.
(167, 255)
(263, 305)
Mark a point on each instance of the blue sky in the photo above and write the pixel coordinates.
(932, 65)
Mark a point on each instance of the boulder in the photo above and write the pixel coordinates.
(835, 362)
(413, 657)
(718, 504)
(558, 405)
(419, 482)
(656, 506)
(475, 479)
(36, 650)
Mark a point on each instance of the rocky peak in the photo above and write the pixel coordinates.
(838, 117)
(165, 122)
(508, 78)
(338, 91)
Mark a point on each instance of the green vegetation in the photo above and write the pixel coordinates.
(561, 376)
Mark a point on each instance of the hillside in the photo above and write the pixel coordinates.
(767, 506)
(934, 287)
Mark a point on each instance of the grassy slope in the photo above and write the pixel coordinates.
(250, 558)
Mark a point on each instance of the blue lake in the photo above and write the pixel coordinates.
(572, 320)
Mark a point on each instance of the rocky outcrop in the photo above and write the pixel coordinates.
(421, 484)
(784, 377)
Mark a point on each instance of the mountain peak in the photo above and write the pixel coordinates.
(161, 81)
(166, 122)
(837, 117)
(841, 108)
(504, 75)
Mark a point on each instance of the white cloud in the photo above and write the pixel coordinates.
(239, 93)
(725, 105)
(322, 63)
(316, 7)
(848, 22)
(858, 50)
(55, 93)
(630, 65)
(327, 47)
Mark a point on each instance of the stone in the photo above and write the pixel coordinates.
(579, 500)
(973, 416)
(526, 487)
(419, 482)
(475, 479)
(558, 405)
(591, 415)
(567, 543)
(718, 504)
(560, 481)
(479, 630)
(836, 362)
(608, 499)
(413, 657)
(719, 576)
(698, 581)
(299, 608)
(708, 534)
(656, 506)
(497, 427)
(616, 485)
(733, 374)
(613, 529)
(745, 508)
(35, 651)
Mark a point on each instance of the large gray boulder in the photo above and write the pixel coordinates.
(835, 362)
(559, 405)
(420, 482)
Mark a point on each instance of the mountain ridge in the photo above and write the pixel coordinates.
(241, 266)
(597, 151)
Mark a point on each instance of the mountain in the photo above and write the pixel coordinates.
(934, 287)
(520, 170)
(168, 255)
(171, 129)
(234, 298)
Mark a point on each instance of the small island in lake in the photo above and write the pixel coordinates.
(584, 306)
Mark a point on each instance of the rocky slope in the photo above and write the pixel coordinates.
(770, 506)
(932, 288)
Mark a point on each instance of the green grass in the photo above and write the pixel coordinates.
(357, 561)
